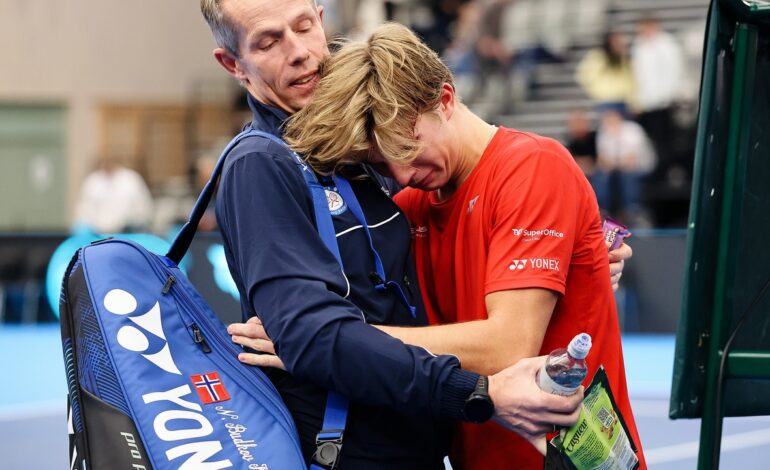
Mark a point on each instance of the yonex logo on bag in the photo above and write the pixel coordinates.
(178, 418)
(120, 302)
(182, 423)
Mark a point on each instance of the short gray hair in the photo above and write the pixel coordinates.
(224, 30)
(225, 33)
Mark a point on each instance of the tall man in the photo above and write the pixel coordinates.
(400, 394)
(314, 312)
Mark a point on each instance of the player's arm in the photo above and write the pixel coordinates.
(515, 327)
(514, 330)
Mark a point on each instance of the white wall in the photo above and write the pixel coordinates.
(83, 52)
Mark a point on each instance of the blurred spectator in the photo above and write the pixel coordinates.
(534, 33)
(625, 155)
(345, 14)
(444, 14)
(658, 65)
(460, 54)
(494, 56)
(114, 199)
(369, 15)
(581, 141)
(605, 74)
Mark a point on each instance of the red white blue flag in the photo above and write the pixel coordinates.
(210, 388)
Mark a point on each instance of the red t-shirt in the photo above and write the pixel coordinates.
(525, 217)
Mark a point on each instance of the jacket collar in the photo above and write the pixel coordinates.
(266, 118)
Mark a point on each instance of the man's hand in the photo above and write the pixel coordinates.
(252, 335)
(521, 407)
(617, 261)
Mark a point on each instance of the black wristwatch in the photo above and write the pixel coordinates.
(479, 407)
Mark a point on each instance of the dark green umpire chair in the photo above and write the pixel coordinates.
(722, 362)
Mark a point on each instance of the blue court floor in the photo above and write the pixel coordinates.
(33, 428)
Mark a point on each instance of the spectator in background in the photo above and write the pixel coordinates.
(493, 55)
(439, 34)
(625, 155)
(460, 54)
(658, 65)
(581, 141)
(605, 74)
(114, 199)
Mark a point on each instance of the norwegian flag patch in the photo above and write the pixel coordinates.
(210, 388)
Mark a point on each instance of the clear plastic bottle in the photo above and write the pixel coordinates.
(565, 369)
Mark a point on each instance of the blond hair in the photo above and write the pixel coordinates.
(370, 95)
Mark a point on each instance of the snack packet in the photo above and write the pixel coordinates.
(600, 438)
(614, 232)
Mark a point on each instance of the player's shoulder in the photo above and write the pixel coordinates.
(528, 145)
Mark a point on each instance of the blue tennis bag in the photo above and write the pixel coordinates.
(153, 378)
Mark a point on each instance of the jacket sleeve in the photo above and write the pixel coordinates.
(297, 288)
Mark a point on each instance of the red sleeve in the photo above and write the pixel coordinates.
(406, 201)
(535, 211)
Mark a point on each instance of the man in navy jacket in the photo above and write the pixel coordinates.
(317, 316)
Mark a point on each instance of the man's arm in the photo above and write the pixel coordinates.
(514, 330)
(520, 405)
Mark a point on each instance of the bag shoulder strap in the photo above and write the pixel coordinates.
(184, 238)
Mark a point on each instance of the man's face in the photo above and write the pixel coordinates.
(435, 165)
(281, 43)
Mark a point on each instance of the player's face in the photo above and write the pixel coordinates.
(281, 44)
(434, 166)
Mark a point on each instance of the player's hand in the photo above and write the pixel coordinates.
(253, 335)
(521, 407)
(617, 263)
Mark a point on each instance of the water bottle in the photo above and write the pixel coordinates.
(565, 369)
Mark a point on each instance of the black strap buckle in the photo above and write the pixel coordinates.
(327, 453)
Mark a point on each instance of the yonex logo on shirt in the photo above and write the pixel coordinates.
(518, 264)
(535, 263)
(545, 263)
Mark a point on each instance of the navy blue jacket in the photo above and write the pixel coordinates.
(401, 396)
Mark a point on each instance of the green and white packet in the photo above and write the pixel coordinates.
(600, 438)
